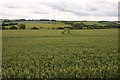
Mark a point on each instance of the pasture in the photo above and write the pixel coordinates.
(56, 24)
(44, 24)
(48, 54)
(39, 24)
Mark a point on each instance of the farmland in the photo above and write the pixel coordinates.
(40, 24)
(60, 24)
(46, 53)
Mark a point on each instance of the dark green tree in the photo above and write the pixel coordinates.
(22, 26)
(13, 27)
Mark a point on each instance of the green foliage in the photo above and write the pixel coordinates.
(60, 28)
(62, 24)
(22, 26)
(78, 25)
(34, 28)
(8, 23)
(92, 24)
(48, 54)
(13, 27)
(45, 24)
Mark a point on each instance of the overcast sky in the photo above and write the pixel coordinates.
(59, 9)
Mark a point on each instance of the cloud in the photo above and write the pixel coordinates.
(87, 9)
(60, 9)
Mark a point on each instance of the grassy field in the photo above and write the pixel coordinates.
(58, 24)
(41, 24)
(94, 22)
(48, 54)
(44, 24)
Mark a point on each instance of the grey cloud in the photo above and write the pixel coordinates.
(4, 14)
(39, 12)
(79, 9)
(57, 8)
(93, 9)
(13, 5)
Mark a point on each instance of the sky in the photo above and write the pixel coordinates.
(60, 9)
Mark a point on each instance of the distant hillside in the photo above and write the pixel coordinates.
(93, 24)
(50, 24)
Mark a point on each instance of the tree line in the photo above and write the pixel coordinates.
(81, 25)
(71, 25)
(13, 26)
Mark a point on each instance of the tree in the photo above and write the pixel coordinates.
(22, 26)
(13, 27)
(34, 28)
(78, 25)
